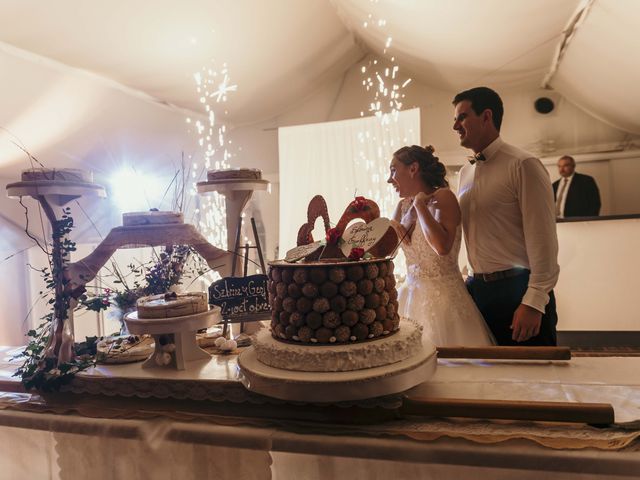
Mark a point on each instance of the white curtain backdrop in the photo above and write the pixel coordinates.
(339, 160)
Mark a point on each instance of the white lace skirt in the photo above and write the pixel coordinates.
(445, 310)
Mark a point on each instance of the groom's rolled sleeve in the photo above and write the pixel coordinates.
(539, 226)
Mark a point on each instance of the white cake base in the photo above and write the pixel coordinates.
(177, 331)
(330, 387)
(385, 350)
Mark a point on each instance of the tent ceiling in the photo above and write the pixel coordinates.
(275, 50)
(455, 45)
(280, 51)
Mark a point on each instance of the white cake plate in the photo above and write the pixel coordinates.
(232, 185)
(331, 387)
(237, 193)
(177, 331)
(58, 192)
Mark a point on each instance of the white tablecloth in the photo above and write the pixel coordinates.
(613, 380)
(73, 443)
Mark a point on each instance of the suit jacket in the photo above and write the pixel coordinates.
(583, 197)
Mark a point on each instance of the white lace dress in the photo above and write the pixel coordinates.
(435, 296)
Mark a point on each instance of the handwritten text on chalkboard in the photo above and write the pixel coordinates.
(240, 296)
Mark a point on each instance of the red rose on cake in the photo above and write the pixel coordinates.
(333, 235)
(360, 203)
(356, 253)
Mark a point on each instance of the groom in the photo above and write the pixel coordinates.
(508, 218)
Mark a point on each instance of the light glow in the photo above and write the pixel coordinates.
(134, 191)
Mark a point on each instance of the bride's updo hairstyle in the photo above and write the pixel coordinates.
(432, 170)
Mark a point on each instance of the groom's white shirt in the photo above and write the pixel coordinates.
(508, 218)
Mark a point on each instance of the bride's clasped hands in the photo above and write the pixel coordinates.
(404, 224)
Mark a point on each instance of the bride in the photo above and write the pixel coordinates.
(427, 219)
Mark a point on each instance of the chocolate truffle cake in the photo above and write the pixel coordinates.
(341, 303)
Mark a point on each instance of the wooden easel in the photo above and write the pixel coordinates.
(245, 255)
(246, 248)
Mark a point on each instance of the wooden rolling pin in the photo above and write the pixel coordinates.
(591, 413)
(506, 353)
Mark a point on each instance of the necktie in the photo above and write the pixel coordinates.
(478, 157)
(561, 190)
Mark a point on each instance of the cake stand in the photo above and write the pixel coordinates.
(175, 337)
(237, 194)
(59, 193)
(332, 387)
(56, 192)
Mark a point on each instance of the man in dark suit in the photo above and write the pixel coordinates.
(576, 195)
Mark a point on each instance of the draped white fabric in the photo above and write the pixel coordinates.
(595, 67)
(339, 160)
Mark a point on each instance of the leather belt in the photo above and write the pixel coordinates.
(495, 276)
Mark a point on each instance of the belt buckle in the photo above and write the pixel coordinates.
(501, 275)
(491, 277)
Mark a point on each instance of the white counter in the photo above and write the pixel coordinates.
(598, 288)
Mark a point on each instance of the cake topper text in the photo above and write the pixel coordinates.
(364, 235)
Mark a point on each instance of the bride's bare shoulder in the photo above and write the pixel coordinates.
(445, 193)
(445, 197)
(447, 204)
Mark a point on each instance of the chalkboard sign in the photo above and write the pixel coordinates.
(241, 298)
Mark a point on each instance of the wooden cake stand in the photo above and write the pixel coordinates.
(59, 193)
(56, 192)
(330, 387)
(237, 194)
(175, 337)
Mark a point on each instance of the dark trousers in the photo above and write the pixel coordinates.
(498, 301)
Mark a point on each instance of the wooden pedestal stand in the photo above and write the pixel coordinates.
(237, 194)
(58, 193)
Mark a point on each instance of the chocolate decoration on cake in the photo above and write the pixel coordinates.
(317, 208)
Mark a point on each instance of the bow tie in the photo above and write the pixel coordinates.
(478, 157)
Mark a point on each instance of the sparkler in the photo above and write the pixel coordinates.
(386, 101)
(212, 87)
(382, 82)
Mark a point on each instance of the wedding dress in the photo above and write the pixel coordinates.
(434, 296)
